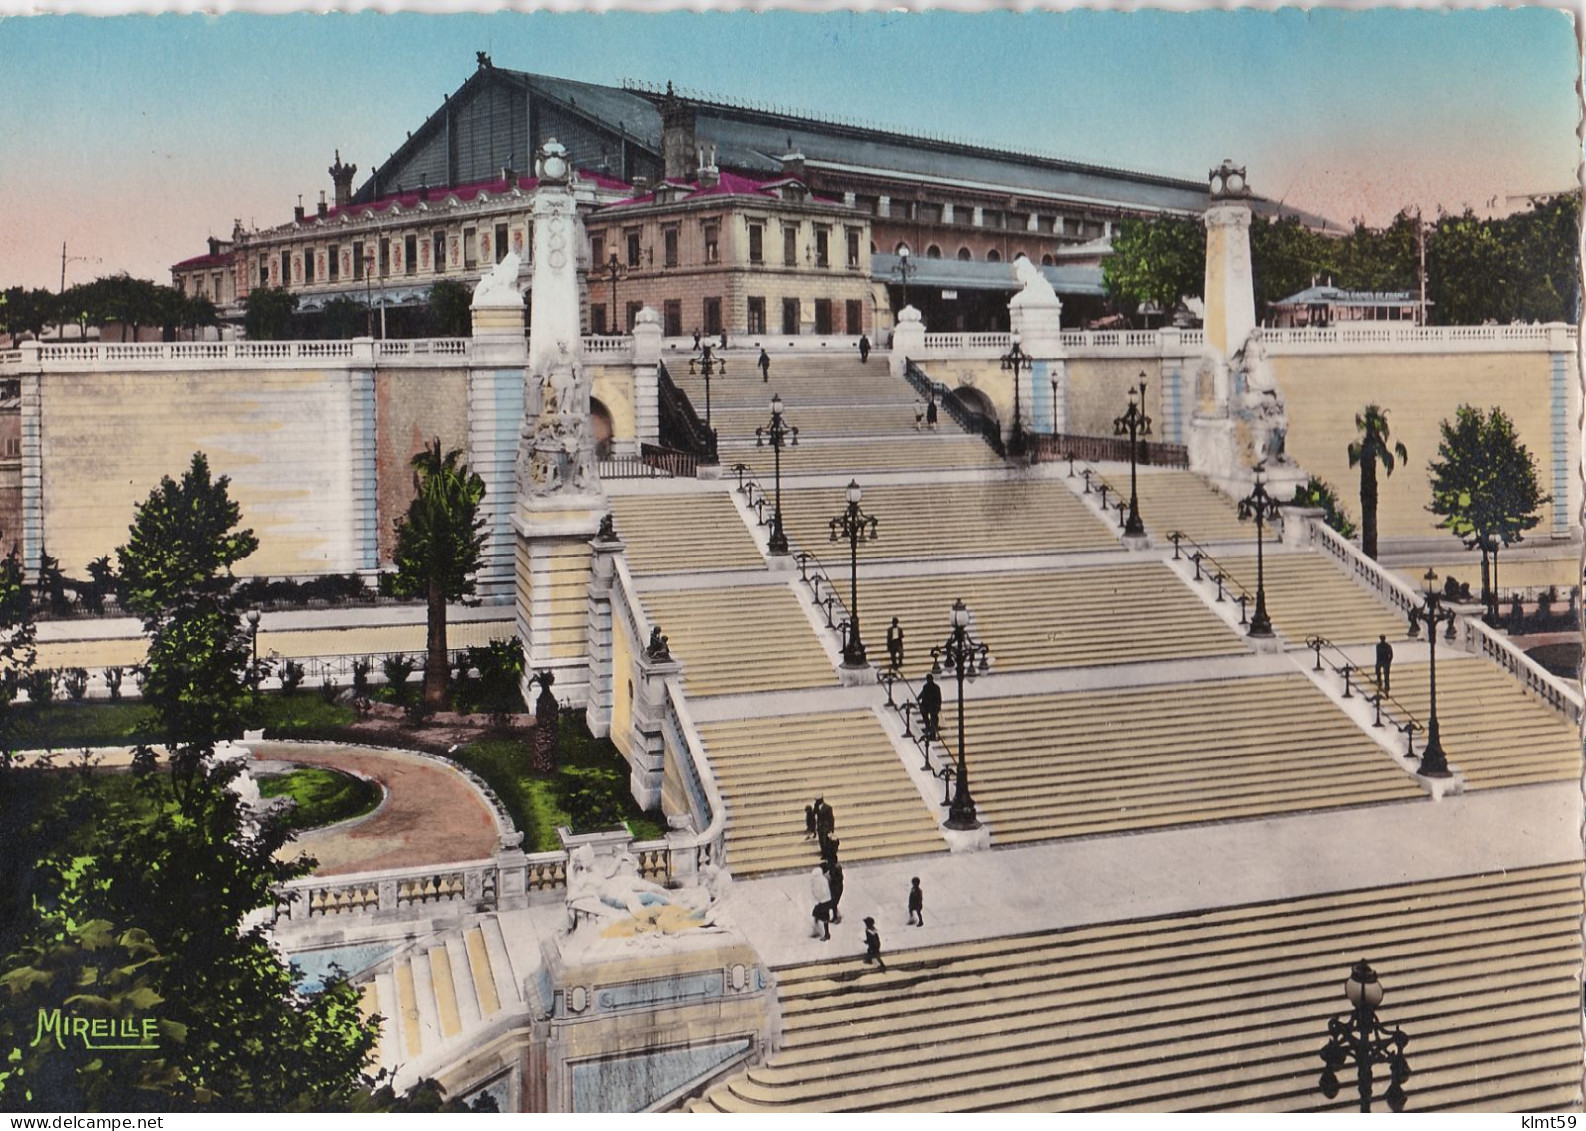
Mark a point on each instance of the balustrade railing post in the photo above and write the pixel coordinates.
(1219, 580)
(1196, 558)
(1243, 598)
(1346, 671)
(1174, 538)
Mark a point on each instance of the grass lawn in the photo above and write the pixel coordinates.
(323, 796)
(72, 726)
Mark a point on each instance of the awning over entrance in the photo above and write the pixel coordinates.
(967, 275)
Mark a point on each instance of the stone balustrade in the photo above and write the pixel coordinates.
(608, 346)
(1487, 641)
(1395, 591)
(474, 884)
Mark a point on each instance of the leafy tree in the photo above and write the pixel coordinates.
(1485, 488)
(1156, 261)
(84, 304)
(176, 575)
(1372, 448)
(1319, 493)
(133, 302)
(438, 549)
(1284, 257)
(28, 311)
(267, 313)
(451, 309)
(343, 317)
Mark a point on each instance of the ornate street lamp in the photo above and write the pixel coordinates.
(706, 364)
(903, 270)
(1434, 763)
(777, 431)
(1357, 1036)
(253, 634)
(1134, 423)
(967, 657)
(613, 271)
(854, 525)
(1016, 361)
(1261, 507)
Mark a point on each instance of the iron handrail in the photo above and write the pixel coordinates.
(1345, 668)
(966, 418)
(1091, 473)
(1222, 574)
(833, 595)
(888, 678)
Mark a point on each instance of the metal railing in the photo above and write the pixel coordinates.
(829, 600)
(1095, 483)
(971, 421)
(1218, 573)
(1400, 717)
(652, 462)
(681, 428)
(908, 710)
(1114, 449)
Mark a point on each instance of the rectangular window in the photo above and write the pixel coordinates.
(790, 246)
(286, 267)
(712, 317)
(308, 266)
(438, 251)
(501, 242)
(357, 259)
(790, 316)
(633, 248)
(334, 262)
(712, 242)
(673, 315)
(385, 257)
(410, 253)
(469, 260)
(597, 318)
(217, 288)
(822, 247)
(669, 244)
(855, 311)
(757, 315)
(823, 316)
(597, 251)
(264, 274)
(756, 243)
(633, 314)
(853, 247)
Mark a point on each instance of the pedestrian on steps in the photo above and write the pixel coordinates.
(809, 822)
(895, 645)
(765, 365)
(1384, 663)
(916, 903)
(919, 413)
(822, 912)
(696, 339)
(873, 946)
(864, 350)
(930, 701)
(930, 413)
(834, 878)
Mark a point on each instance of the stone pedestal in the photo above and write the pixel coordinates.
(646, 392)
(908, 340)
(635, 1024)
(1296, 525)
(598, 632)
(648, 744)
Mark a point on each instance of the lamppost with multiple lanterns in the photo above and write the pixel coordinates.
(1262, 508)
(904, 269)
(707, 365)
(1134, 423)
(253, 617)
(613, 271)
(854, 525)
(1434, 763)
(777, 432)
(1016, 361)
(1358, 1036)
(967, 657)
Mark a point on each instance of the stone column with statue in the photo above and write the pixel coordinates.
(1240, 421)
(559, 497)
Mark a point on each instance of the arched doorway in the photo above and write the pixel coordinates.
(600, 427)
(974, 400)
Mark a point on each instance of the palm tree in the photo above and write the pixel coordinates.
(1370, 449)
(438, 549)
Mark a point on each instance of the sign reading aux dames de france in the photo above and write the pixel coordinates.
(99, 1034)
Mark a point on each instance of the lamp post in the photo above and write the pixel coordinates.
(707, 364)
(1358, 1036)
(253, 635)
(854, 525)
(1016, 361)
(1263, 508)
(777, 432)
(961, 652)
(1134, 423)
(903, 269)
(1434, 763)
(613, 271)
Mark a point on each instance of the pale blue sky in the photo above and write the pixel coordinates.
(132, 138)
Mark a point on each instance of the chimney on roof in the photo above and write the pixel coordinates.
(641, 185)
(707, 174)
(792, 164)
(677, 137)
(297, 212)
(214, 245)
(324, 208)
(342, 176)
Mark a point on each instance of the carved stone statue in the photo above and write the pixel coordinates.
(1037, 291)
(500, 286)
(609, 890)
(657, 649)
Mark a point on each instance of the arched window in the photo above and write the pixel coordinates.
(965, 254)
(993, 256)
(1046, 261)
(1022, 252)
(600, 427)
(901, 249)
(933, 252)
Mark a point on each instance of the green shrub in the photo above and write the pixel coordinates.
(291, 677)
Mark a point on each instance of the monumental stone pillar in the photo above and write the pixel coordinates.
(559, 497)
(1035, 317)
